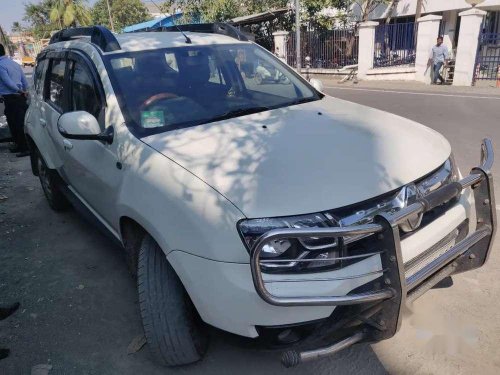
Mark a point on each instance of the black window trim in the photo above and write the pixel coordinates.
(79, 56)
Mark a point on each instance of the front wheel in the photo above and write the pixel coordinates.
(172, 327)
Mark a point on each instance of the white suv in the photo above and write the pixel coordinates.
(244, 197)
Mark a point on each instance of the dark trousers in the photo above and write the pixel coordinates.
(15, 109)
(437, 74)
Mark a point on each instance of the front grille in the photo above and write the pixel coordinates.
(456, 235)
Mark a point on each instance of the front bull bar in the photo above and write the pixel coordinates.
(472, 252)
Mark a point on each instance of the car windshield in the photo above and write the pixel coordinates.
(168, 89)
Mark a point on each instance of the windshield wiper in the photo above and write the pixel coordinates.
(303, 100)
(239, 112)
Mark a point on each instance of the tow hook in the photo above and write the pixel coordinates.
(292, 358)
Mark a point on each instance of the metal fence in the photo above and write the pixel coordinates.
(329, 49)
(395, 44)
(488, 57)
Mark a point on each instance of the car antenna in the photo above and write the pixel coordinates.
(188, 39)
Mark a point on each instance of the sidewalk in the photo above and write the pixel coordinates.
(483, 88)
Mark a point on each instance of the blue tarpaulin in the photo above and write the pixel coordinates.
(153, 24)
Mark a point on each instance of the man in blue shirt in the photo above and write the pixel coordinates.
(14, 90)
(439, 55)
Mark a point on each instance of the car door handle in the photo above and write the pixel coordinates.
(67, 145)
(43, 122)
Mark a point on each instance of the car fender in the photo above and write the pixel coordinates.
(178, 209)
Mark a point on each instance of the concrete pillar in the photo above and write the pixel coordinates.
(428, 31)
(280, 44)
(366, 52)
(470, 27)
(450, 23)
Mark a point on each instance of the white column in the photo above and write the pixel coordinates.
(428, 31)
(450, 21)
(470, 27)
(280, 44)
(366, 47)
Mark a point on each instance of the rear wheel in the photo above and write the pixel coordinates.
(173, 329)
(50, 185)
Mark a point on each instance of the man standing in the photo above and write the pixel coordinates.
(439, 55)
(13, 89)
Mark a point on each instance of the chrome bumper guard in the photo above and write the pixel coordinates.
(472, 252)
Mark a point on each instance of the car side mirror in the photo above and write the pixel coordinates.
(82, 125)
(317, 84)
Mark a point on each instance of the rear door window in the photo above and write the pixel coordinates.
(39, 76)
(56, 92)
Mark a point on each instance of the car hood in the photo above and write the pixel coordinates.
(305, 158)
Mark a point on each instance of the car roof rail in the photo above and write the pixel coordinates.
(209, 28)
(99, 36)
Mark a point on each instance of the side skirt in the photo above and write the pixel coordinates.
(89, 214)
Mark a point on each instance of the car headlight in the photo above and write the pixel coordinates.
(291, 249)
(312, 253)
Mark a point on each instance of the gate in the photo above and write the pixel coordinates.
(327, 49)
(488, 57)
(395, 44)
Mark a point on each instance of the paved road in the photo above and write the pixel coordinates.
(79, 305)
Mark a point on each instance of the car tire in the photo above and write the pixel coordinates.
(172, 326)
(51, 186)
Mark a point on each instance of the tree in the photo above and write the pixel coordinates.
(123, 12)
(67, 13)
(38, 17)
(16, 28)
(390, 9)
(418, 11)
(367, 7)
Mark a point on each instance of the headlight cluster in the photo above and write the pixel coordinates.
(324, 252)
(292, 249)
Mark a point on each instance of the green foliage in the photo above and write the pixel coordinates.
(47, 16)
(38, 17)
(123, 12)
(16, 28)
(66, 13)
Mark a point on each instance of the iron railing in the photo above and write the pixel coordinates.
(327, 49)
(488, 57)
(395, 44)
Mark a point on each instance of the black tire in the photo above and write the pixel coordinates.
(173, 329)
(51, 185)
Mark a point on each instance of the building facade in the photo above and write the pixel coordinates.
(449, 10)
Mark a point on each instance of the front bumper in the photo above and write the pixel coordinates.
(386, 299)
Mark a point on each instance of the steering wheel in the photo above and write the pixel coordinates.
(161, 96)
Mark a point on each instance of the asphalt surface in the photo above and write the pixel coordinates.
(79, 308)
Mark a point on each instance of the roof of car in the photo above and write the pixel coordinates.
(131, 42)
(155, 40)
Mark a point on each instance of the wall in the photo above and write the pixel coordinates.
(408, 7)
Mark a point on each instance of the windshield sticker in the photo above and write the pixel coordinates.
(152, 119)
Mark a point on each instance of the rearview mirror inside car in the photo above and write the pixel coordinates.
(84, 126)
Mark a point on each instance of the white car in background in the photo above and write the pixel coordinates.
(265, 209)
